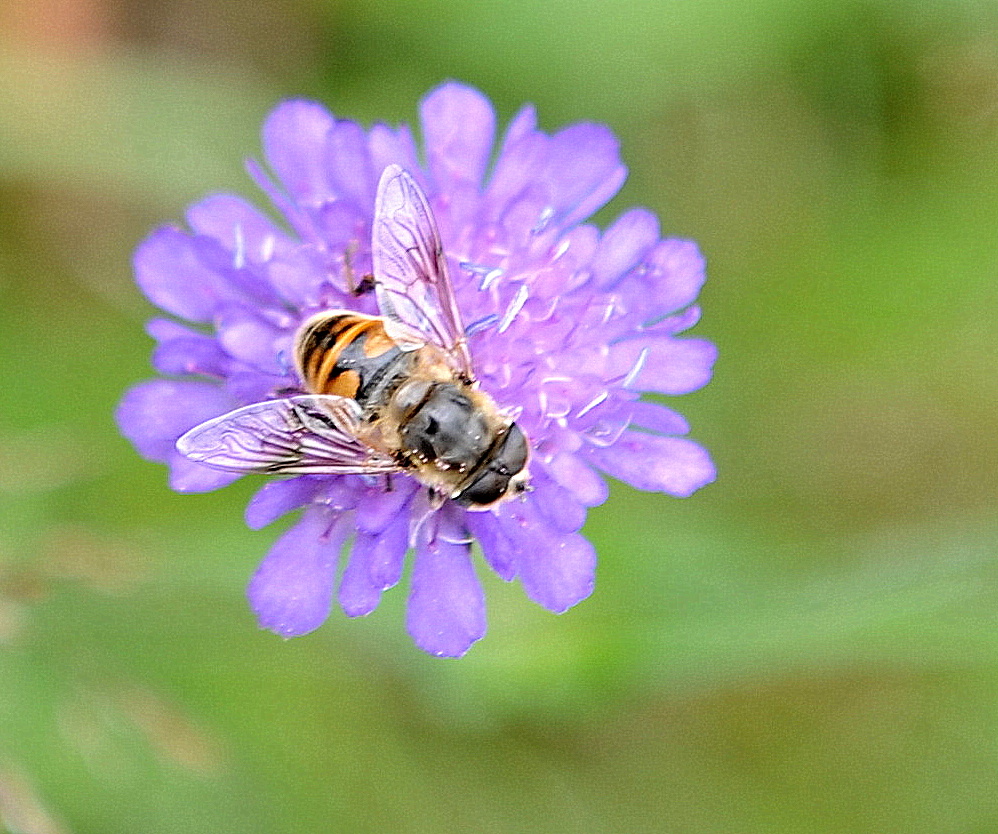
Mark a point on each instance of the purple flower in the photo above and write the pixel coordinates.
(567, 325)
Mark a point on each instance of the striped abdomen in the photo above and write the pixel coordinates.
(349, 355)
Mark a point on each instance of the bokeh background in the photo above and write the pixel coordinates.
(808, 645)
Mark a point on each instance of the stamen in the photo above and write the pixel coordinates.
(490, 278)
(589, 406)
(481, 324)
(514, 308)
(542, 222)
(489, 275)
(639, 363)
(239, 256)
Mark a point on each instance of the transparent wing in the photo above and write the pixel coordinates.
(414, 291)
(310, 434)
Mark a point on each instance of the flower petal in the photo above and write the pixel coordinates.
(557, 570)
(583, 171)
(624, 245)
(559, 506)
(375, 564)
(523, 124)
(523, 151)
(446, 611)
(292, 590)
(565, 575)
(348, 162)
(383, 503)
(393, 147)
(295, 138)
(346, 235)
(243, 230)
(576, 475)
(658, 418)
(357, 594)
(178, 274)
(162, 329)
(154, 414)
(662, 363)
(185, 351)
(676, 323)
(275, 498)
(458, 130)
(254, 386)
(190, 356)
(675, 272)
(498, 551)
(186, 476)
(252, 340)
(339, 492)
(388, 559)
(673, 465)
(299, 277)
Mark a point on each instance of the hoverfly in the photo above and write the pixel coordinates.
(394, 393)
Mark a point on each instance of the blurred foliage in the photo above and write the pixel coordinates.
(808, 645)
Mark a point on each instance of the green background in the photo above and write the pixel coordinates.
(808, 645)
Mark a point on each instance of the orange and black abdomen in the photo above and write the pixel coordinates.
(347, 354)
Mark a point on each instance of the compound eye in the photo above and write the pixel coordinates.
(487, 489)
(513, 455)
(494, 482)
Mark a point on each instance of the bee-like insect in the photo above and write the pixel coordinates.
(389, 393)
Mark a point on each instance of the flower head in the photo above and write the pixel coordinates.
(567, 326)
